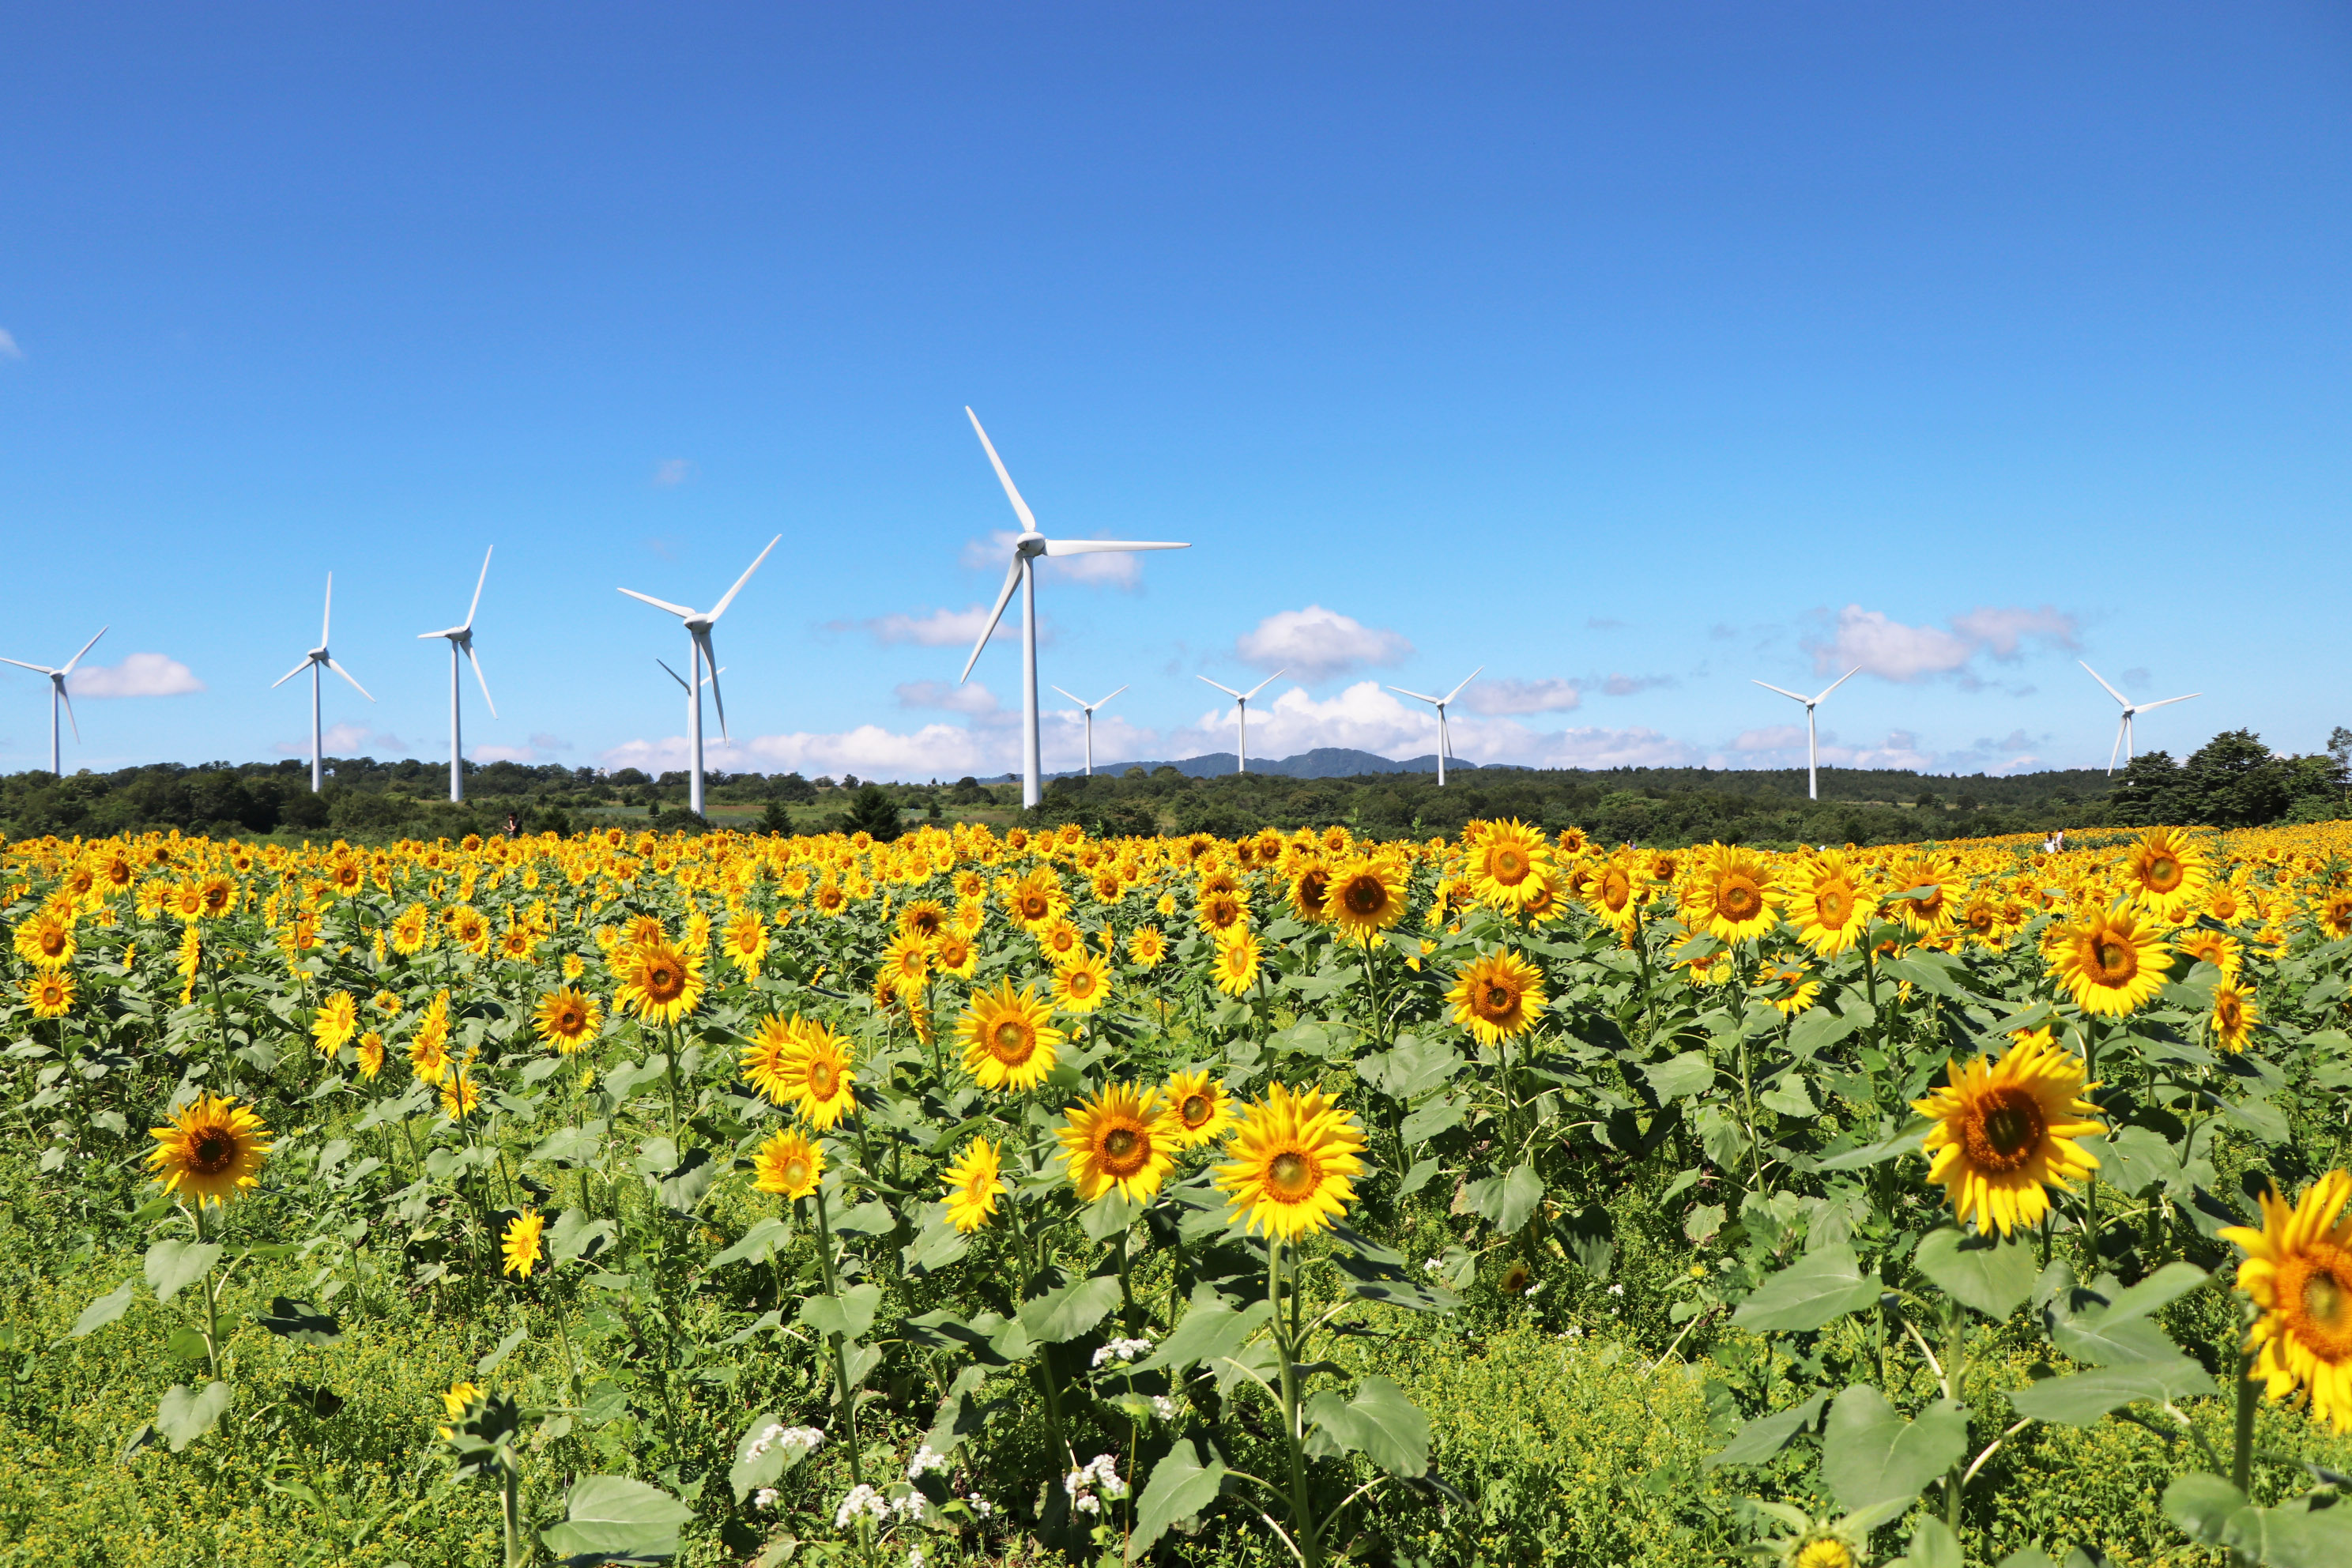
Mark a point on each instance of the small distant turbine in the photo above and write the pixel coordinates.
(1088, 710)
(461, 641)
(315, 660)
(1242, 702)
(1812, 742)
(2124, 727)
(1445, 736)
(57, 695)
(701, 655)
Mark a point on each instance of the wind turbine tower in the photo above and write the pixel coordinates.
(461, 641)
(703, 656)
(1088, 710)
(1445, 736)
(1241, 710)
(1023, 574)
(1813, 739)
(319, 658)
(2124, 726)
(57, 695)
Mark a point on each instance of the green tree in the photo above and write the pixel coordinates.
(871, 810)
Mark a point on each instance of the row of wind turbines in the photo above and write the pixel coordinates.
(704, 670)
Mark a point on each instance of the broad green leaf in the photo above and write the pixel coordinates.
(300, 1322)
(2259, 1117)
(936, 1246)
(1183, 1483)
(680, 1188)
(849, 1314)
(757, 1244)
(490, 1359)
(1933, 1545)
(1431, 1117)
(2200, 1504)
(174, 1266)
(570, 1145)
(2082, 1398)
(1904, 1140)
(1790, 1099)
(2291, 1536)
(1064, 1314)
(2159, 1289)
(1699, 1226)
(105, 1309)
(872, 1217)
(613, 1517)
(1379, 1423)
(186, 1415)
(1814, 1291)
(1208, 1331)
(1871, 1454)
(2028, 1557)
(1995, 1278)
(1767, 1434)
(1512, 1199)
(2133, 1158)
(1687, 1073)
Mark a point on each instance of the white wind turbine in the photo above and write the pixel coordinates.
(1242, 702)
(681, 681)
(461, 641)
(57, 695)
(1812, 742)
(1021, 575)
(698, 636)
(2123, 728)
(1088, 710)
(316, 659)
(1445, 736)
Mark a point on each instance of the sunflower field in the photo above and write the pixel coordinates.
(1001, 1197)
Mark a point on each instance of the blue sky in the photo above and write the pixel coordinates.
(1631, 353)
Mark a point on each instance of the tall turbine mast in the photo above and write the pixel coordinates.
(461, 641)
(319, 658)
(57, 695)
(2131, 709)
(1241, 709)
(1445, 736)
(702, 656)
(1023, 574)
(1813, 739)
(1088, 710)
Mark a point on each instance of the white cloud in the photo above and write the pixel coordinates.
(1592, 747)
(1784, 746)
(1315, 644)
(1498, 697)
(1366, 718)
(347, 740)
(504, 754)
(1773, 738)
(8, 349)
(1097, 568)
(139, 675)
(972, 698)
(945, 628)
(671, 472)
(1870, 640)
(1619, 685)
(543, 741)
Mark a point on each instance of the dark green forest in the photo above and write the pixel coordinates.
(2232, 781)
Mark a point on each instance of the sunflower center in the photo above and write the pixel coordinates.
(2005, 1128)
(1739, 899)
(2163, 874)
(213, 1153)
(1011, 1042)
(1834, 904)
(1292, 1175)
(1500, 998)
(1081, 981)
(796, 1171)
(1195, 1110)
(1507, 866)
(2114, 962)
(2316, 1287)
(1123, 1150)
(822, 1080)
(1615, 889)
(2225, 1012)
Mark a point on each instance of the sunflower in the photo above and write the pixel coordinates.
(46, 939)
(186, 900)
(1234, 962)
(1220, 911)
(2005, 1130)
(1082, 985)
(2298, 1269)
(2200, 944)
(1727, 896)
(953, 954)
(2231, 1022)
(1200, 1109)
(1508, 864)
(1008, 1039)
(1037, 900)
(515, 944)
(1823, 901)
(411, 930)
(461, 1398)
(1366, 898)
(428, 1052)
(906, 963)
(386, 1003)
(2226, 900)
(788, 1164)
(2109, 962)
(829, 898)
(49, 993)
(1123, 1138)
(1930, 913)
(1060, 941)
(660, 983)
(1310, 885)
(973, 1181)
(925, 918)
(2165, 873)
(1146, 947)
(371, 1049)
(460, 1097)
(567, 1020)
(211, 1151)
(1292, 1164)
(1496, 995)
(817, 1077)
(1615, 894)
(337, 1018)
(218, 895)
(1792, 988)
(520, 1246)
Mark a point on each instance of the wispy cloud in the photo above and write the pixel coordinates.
(8, 349)
(1553, 695)
(543, 741)
(347, 740)
(1315, 644)
(1876, 644)
(1619, 685)
(940, 628)
(972, 698)
(671, 472)
(139, 675)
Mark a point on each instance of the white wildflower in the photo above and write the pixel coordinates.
(926, 1460)
(1167, 1409)
(765, 1498)
(863, 1501)
(980, 1507)
(1122, 1350)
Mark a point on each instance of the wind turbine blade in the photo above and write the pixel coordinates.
(1261, 685)
(326, 616)
(279, 681)
(2117, 749)
(478, 591)
(2146, 706)
(1841, 681)
(444, 632)
(1416, 696)
(1012, 581)
(483, 680)
(1099, 546)
(1466, 680)
(2102, 681)
(1067, 694)
(76, 659)
(744, 579)
(1020, 507)
(680, 611)
(346, 674)
(69, 712)
(711, 661)
(1226, 690)
(1105, 702)
(673, 675)
(1783, 691)
(35, 669)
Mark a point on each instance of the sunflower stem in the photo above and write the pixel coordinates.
(2241, 1453)
(1302, 1512)
(840, 1361)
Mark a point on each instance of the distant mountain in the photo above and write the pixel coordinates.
(1322, 762)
